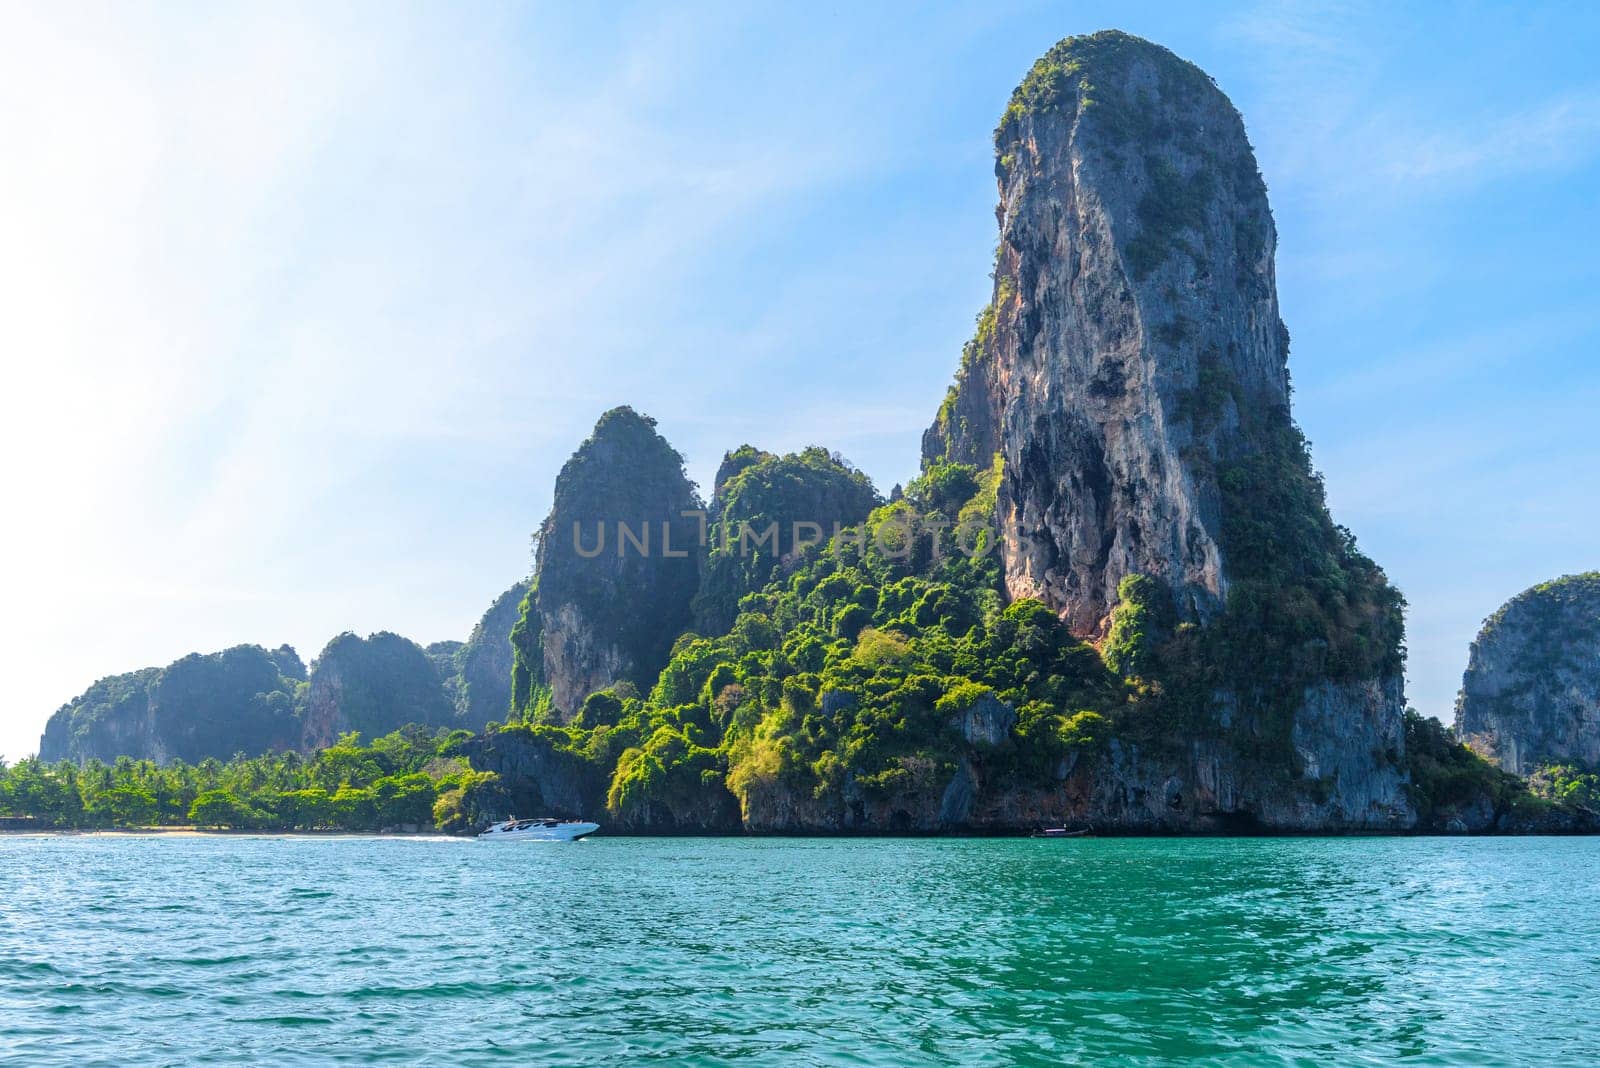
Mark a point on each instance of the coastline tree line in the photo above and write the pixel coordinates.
(416, 779)
(839, 670)
(411, 779)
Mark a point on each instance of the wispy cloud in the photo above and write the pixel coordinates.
(1323, 63)
(1461, 359)
(1555, 133)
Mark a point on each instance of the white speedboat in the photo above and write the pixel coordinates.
(540, 830)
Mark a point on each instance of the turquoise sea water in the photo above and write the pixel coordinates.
(236, 950)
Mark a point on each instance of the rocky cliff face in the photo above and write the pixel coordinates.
(203, 705)
(1130, 375)
(1531, 693)
(110, 718)
(1134, 297)
(618, 561)
(540, 778)
(483, 688)
(372, 685)
(1125, 787)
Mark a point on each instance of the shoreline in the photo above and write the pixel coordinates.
(205, 832)
(212, 832)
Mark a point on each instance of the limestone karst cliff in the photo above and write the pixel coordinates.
(618, 563)
(371, 685)
(1531, 692)
(1155, 625)
(1129, 380)
(483, 663)
(203, 705)
(252, 700)
(1133, 349)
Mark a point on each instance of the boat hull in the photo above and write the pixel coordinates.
(560, 832)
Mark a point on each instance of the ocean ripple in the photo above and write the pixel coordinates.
(226, 950)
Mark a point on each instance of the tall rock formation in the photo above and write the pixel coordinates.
(1531, 693)
(1131, 377)
(372, 685)
(1135, 318)
(618, 562)
(483, 664)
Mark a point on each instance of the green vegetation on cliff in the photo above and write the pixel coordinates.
(372, 685)
(1082, 71)
(1566, 783)
(1449, 780)
(847, 676)
(765, 508)
(204, 705)
(1305, 606)
(200, 707)
(1550, 600)
(484, 663)
(530, 695)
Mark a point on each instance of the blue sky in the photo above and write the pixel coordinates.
(302, 307)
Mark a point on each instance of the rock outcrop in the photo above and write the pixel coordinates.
(618, 561)
(1130, 379)
(1531, 692)
(483, 664)
(1135, 314)
(203, 705)
(372, 685)
(987, 721)
(540, 773)
(539, 777)
(109, 719)
(1130, 788)
(764, 510)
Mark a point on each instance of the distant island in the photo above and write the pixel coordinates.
(1113, 599)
